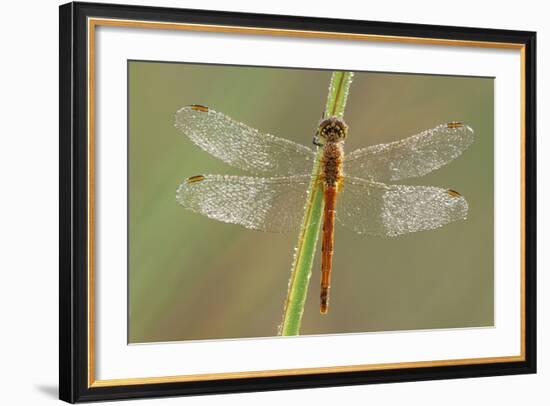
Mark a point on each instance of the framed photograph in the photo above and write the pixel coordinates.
(258, 202)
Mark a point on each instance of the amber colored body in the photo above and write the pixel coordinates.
(332, 132)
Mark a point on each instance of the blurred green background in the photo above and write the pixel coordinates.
(194, 278)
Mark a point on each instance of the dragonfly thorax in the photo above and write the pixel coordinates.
(331, 129)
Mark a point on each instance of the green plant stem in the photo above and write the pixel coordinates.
(311, 223)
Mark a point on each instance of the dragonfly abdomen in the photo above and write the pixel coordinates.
(332, 177)
(327, 248)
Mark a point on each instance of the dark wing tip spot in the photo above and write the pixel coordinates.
(198, 107)
(455, 124)
(453, 193)
(194, 179)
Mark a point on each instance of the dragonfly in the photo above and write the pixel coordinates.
(357, 187)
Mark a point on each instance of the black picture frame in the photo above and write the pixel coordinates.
(74, 385)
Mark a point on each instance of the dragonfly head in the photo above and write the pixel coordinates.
(332, 129)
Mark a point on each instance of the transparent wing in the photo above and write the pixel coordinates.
(410, 157)
(266, 204)
(390, 210)
(242, 146)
